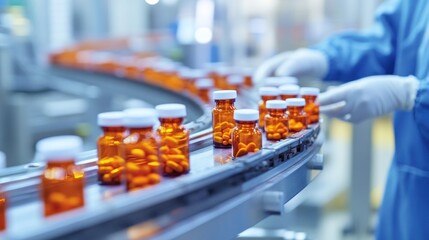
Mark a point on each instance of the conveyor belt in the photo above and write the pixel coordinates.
(218, 199)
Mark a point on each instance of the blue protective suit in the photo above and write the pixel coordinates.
(398, 43)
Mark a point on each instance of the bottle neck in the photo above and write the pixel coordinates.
(246, 124)
(63, 163)
(140, 130)
(114, 131)
(309, 98)
(295, 109)
(225, 104)
(277, 112)
(267, 98)
(171, 122)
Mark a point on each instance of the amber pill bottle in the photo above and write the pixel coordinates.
(235, 82)
(296, 114)
(174, 148)
(288, 91)
(204, 86)
(110, 163)
(62, 183)
(266, 93)
(276, 120)
(246, 137)
(223, 118)
(311, 108)
(3, 206)
(140, 150)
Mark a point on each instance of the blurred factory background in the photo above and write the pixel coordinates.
(35, 104)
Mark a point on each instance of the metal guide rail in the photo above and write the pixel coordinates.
(166, 210)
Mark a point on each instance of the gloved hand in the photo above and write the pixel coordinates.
(369, 97)
(299, 63)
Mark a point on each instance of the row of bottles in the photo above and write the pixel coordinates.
(240, 129)
(159, 70)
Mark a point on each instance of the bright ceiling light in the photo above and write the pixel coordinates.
(152, 2)
(203, 35)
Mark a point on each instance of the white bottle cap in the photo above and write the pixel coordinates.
(235, 79)
(276, 104)
(172, 110)
(289, 89)
(246, 115)
(110, 119)
(278, 81)
(309, 91)
(59, 148)
(224, 94)
(268, 91)
(141, 109)
(204, 83)
(295, 102)
(139, 119)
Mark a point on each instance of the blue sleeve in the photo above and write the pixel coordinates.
(354, 55)
(421, 108)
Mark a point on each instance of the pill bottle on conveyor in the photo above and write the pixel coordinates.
(266, 93)
(288, 91)
(276, 120)
(311, 108)
(296, 114)
(246, 136)
(204, 86)
(235, 82)
(110, 163)
(248, 76)
(3, 197)
(140, 150)
(223, 117)
(3, 206)
(189, 78)
(174, 148)
(62, 183)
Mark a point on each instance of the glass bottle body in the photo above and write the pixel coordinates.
(311, 108)
(276, 124)
(263, 110)
(3, 205)
(223, 123)
(142, 165)
(246, 138)
(174, 148)
(297, 119)
(110, 162)
(204, 94)
(62, 185)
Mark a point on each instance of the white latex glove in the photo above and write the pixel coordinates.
(369, 97)
(299, 63)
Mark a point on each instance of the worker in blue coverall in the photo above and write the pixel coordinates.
(387, 70)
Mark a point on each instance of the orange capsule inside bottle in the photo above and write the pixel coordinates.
(140, 151)
(311, 106)
(276, 120)
(246, 137)
(174, 148)
(296, 114)
(223, 118)
(62, 183)
(266, 93)
(110, 163)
